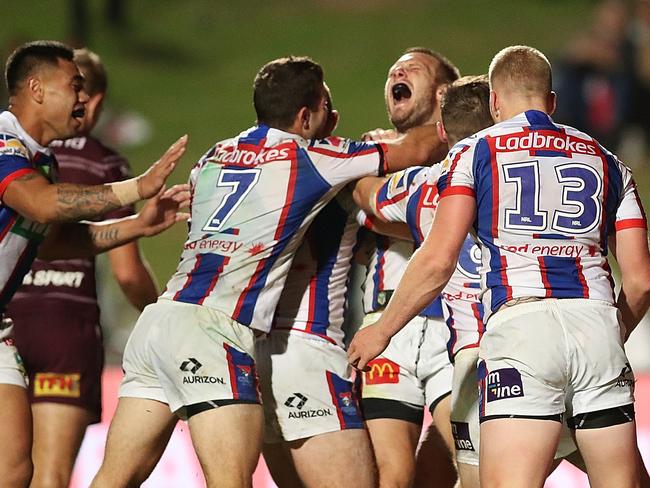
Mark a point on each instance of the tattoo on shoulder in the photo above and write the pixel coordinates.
(32, 175)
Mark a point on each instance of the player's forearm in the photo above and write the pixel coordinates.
(423, 280)
(365, 191)
(141, 290)
(71, 202)
(393, 229)
(419, 146)
(85, 239)
(633, 302)
(133, 275)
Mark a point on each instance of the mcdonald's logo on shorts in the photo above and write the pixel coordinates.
(57, 385)
(382, 370)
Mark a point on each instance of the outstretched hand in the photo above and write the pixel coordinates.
(162, 211)
(379, 135)
(367, 344)
(152, 180)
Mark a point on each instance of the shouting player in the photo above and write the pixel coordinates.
(553, 342)
(46, 102)
(411, 197)
(56, 314)
(192, 354)
(414, 373)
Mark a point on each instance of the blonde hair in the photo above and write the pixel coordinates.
(522, 69)
(92, 69)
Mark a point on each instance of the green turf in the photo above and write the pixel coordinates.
(188, 66)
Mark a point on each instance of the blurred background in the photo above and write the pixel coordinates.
(187, 67)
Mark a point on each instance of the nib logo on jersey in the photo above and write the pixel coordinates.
(504, 383)
(298, 401)
(192, 365)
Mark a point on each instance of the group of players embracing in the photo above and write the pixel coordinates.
(504, 322)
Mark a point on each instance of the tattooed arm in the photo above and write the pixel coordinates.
(83, 239)
(34, 197)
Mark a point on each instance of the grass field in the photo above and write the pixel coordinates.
(188, 66)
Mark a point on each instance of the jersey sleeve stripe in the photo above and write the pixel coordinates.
(631, 223)
(458, 190)
(12, 176)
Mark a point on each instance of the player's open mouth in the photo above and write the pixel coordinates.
(400, 91)
(78, 113)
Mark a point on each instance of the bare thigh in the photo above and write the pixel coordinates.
(394, 443)
(58, 432)
(435, 465)
(228, 443)
(611, 455)
(15, 431)
(345, 459)
(137, 438)
(525, 459)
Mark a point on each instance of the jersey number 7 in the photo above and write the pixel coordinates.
(239, 183)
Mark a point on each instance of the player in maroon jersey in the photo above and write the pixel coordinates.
(56, 313)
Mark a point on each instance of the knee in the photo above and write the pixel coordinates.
(106, 479)
(392, 475)
(57, 477)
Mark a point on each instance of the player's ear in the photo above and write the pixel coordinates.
(442, 133)
(551, 103)
(440, 91)
(35, 89)
(304, 118)
(494, 106)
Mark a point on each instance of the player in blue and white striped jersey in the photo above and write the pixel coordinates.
(553, 342)
(253, 198)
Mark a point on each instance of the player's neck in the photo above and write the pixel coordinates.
(30, 124)
(515, 107)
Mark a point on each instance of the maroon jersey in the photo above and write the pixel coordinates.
(69, 285)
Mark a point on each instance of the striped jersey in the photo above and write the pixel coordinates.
(387, 258)
(548, 197)
(19, 237)
(411, 197)
(313, 300)
(253, 198)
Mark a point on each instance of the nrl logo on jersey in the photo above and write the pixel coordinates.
(10, 146)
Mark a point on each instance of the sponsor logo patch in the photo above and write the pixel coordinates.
(503, 383)
(57, 385)
(626, 378)
(297, 401)
(382, 370)
(192, 365)
(462, 437)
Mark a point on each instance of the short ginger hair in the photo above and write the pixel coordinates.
(521, 69)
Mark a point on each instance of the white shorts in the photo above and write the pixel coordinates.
(307, 387)
(12, 369)
(543, 358)
(414, 370)
(464, 411)
(191, 357)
